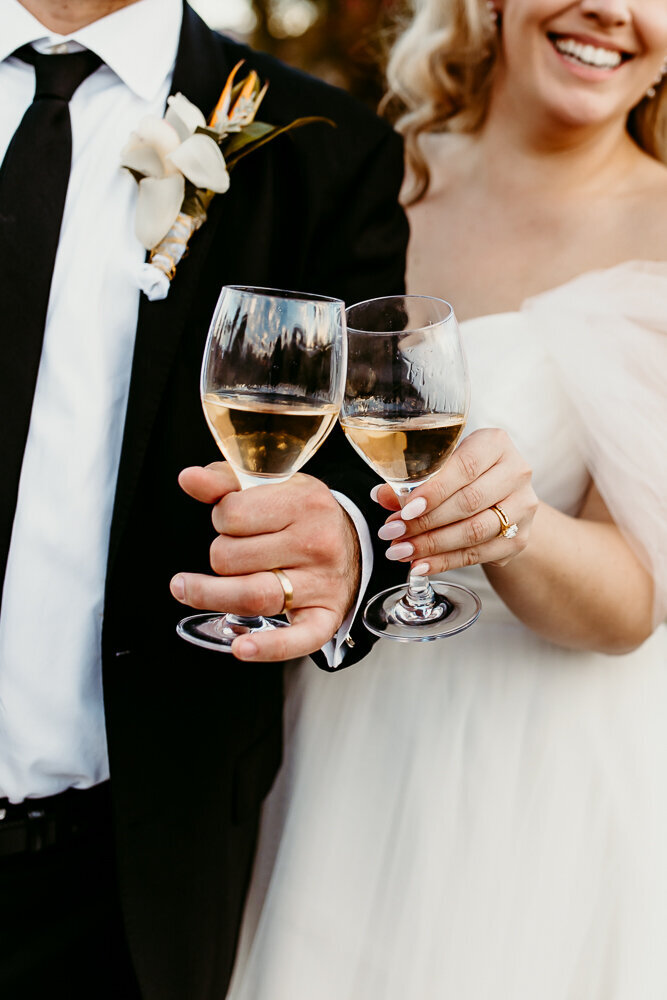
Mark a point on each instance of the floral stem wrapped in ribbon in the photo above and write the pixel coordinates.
(181, 162)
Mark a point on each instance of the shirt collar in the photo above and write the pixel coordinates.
(139, 42)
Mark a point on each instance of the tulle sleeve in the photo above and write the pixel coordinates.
(606, 333)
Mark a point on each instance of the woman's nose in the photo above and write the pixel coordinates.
(608, 13)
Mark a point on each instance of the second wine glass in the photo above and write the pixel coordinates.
(271, 387)
(405, 406)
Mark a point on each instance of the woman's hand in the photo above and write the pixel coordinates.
(448, 522)
(565, 587)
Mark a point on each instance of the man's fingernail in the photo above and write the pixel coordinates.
(401, 551)
(414, 508)
(246, 648)
(177, 587)
(394, 529)
(375, 491)
(421, 569)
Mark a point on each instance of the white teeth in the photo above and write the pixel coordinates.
(590, 55)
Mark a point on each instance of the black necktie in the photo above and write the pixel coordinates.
(33, 185)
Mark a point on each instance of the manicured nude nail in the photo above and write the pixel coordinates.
(177, 587)
(421, 569)
(375, 491)
(391, 530)
(401, 551)
(414, 508)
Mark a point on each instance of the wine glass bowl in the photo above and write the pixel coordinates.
(405, 406)
(271, 387)
(271, 379)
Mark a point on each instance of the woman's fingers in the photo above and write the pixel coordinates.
(469, 533)
(450, 522)
(468, 543)
(457, 484)
(483, 467)
(470, 505)
(474, 540)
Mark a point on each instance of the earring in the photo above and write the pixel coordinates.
(651, 92)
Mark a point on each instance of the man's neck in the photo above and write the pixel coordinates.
(65, 16)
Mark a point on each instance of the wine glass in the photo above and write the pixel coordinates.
(405, 406)
(271, 386)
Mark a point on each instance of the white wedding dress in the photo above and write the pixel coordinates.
(485, 817)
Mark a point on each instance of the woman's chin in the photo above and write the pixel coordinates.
(583, 113)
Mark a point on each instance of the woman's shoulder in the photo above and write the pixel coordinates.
(620, 308)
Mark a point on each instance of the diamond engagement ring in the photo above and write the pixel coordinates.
(507, 530)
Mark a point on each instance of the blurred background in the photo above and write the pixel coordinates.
(340, 41)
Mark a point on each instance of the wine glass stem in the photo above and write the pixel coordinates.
(420, 592)
(250, 621)
(420, 598)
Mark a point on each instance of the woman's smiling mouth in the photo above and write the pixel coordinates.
(587, 54)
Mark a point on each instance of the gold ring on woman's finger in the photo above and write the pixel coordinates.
(288, 589)
(507, 529)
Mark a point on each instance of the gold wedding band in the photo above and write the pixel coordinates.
(288, 589)
(507, 530)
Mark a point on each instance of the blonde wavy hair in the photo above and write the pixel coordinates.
(439, 76)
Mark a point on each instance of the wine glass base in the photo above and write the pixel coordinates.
(214, 631)
(461, 607)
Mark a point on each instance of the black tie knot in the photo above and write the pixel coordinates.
(59, 75)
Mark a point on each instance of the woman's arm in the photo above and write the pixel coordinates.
(578, 582)
(574, 580)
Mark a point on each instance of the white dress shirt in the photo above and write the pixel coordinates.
(52, 733)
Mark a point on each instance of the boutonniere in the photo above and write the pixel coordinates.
(181, 162)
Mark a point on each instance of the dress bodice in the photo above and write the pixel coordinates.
(514, 385)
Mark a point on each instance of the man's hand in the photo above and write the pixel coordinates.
(297, 526)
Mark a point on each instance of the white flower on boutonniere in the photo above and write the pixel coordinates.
(180, 162)
(163, 152)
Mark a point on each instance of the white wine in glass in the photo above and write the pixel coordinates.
(271, 387)
(405, 407)
(267, 437)
(405, 452)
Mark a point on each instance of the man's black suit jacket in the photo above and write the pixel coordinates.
(195, 736)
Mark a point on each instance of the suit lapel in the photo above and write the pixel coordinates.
(199, 73)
